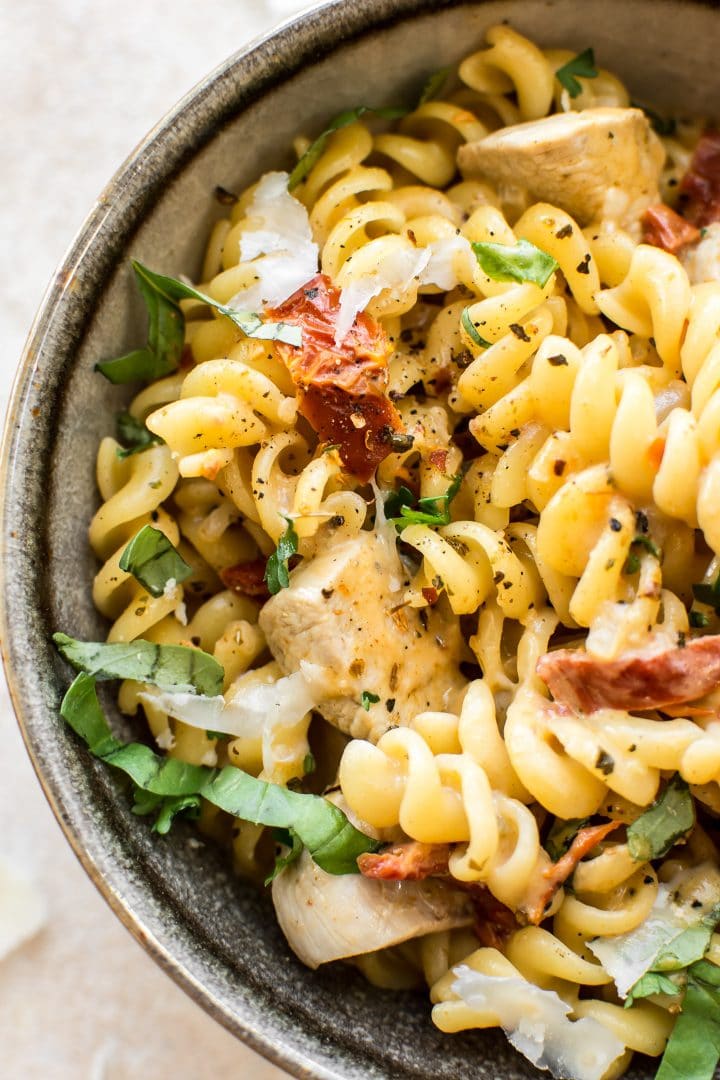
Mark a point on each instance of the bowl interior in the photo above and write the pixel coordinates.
(215, 934)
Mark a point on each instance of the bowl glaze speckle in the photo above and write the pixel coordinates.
(213, 933)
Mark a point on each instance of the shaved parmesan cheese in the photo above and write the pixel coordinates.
(22, 909)
(276, 244)
(245, 715)
(627, 957)
(442, 266)
(537, 1024)
(432, 265)
(396, 271)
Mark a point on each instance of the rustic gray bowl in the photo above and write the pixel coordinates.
(214, 934)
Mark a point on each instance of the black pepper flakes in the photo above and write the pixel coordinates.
(519, 331)
(604, 762)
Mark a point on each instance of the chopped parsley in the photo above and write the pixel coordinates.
(581, 66)
(277, 573)
(401, 508)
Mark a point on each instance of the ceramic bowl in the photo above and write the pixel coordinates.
(215, 935)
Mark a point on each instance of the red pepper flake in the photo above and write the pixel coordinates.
(700, 186)
(430, 594)
(341, 388)
(665, 229)
(248, 578)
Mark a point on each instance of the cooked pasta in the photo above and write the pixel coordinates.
(434, 477)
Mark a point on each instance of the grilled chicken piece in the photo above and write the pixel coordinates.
(596, 163)
(343, 614)
(644, 679)
(326, 917)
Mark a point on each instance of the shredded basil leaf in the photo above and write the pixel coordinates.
(693, 1049)
(648, 543)
(166, 330)
(367, 699)
(292, 841)
(669, 819)
(562, 834)
(631, 564)
(708, 592)
(395, 501)
(309, 764)
(471, 330)
(523, 262)
(153, 560)
(582, 65)
(170, 667)
(662, 125)
(277, 574)
(653, 982)
(314, 151)
(434, 85)
(135, 436)
(166, 334)
(322, 828)
(432, 510)
(687, 946)
(165, 807)
(698, 619)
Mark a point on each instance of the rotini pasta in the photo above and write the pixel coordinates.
(430, 480)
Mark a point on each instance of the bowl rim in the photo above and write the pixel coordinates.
(288, 47)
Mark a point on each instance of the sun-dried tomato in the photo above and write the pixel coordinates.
(665, 229)
(700, 186)
(341, 387)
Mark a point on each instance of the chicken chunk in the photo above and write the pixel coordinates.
(343, 614)
(326, 917)
(597, 163)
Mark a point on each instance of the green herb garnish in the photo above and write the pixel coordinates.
(662, 125)
(166, 328)
(277, 573)
(367, 699)
(698, 619)
(693, 1049)
(632, 563)
(523, 262)
(708, 592)
(135, 436)
(582, 66)
(169, 667)
(432, 510)
(310, 820)
(561, 836)
(471, 330)
(434, 85)
(669, 819)
(153, 560)
(314, 151)
(652, 982)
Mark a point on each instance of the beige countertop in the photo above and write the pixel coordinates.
(81, 81)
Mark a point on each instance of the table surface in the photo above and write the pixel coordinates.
(81, 82)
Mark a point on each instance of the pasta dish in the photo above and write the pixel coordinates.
(410, 547)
